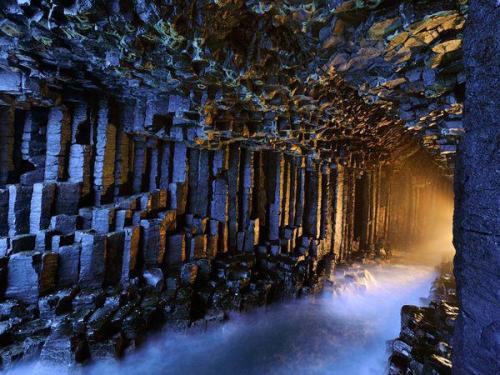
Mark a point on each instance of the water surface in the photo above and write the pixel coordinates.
(336, 333)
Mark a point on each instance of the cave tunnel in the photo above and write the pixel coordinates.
(251, 187)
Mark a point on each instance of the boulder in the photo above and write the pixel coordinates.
(58, 347)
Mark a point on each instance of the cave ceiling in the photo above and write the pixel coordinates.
(355, 81)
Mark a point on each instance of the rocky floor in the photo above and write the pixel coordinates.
(75, 327)
(424, 344)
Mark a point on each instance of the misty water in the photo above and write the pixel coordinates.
(336, 333)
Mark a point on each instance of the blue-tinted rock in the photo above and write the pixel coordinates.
(92, 258)
(69, 265)
(42, 203)
(19, 209)
(22, 278)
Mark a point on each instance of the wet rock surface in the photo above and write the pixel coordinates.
(424, 345)
(75, 326)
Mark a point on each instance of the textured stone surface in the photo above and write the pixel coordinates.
(19, 209)
(476, 220)
(154, 278)
(47, 274)
(153, 235)
(285, 109)
(67, 198)
(114, 257)
(69, 265)
(58, 136)
(424, 343)
(22, 278)
(130, 252)
(76, 325)
(42, 202)
(64, 224)
(92, 258)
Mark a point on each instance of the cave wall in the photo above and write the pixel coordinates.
(476, 220)
(213, 152)
(102, 204)
(106, 224)
(91, 198)
(108, 231)
(99, 201)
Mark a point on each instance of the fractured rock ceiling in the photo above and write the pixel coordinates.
(330, 79)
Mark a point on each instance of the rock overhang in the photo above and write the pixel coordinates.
(323, 79)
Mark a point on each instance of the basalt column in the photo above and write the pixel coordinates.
(344, 212)
(477, 182)
(414, 207)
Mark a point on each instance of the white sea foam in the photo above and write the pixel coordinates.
(343, 333)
